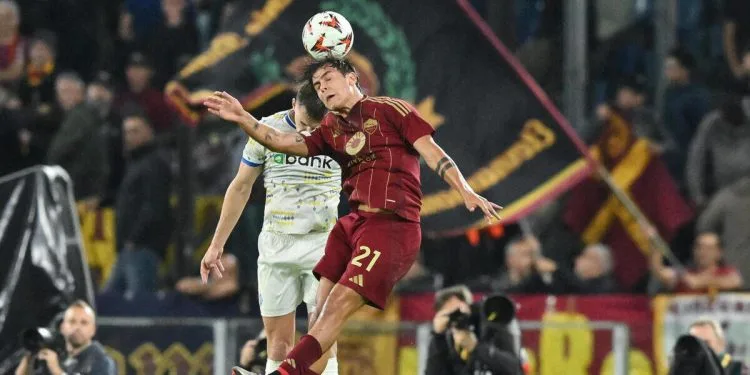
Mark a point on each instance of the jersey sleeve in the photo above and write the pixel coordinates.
(409, 123)
(316, 143)
(254, 153)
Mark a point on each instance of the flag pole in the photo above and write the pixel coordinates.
(657, 242)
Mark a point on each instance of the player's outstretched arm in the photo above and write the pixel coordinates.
(229, 108)
(440, 162)
(235, 200)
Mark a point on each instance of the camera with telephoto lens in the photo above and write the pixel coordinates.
(36, 339)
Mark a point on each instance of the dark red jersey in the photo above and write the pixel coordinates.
(374, 147)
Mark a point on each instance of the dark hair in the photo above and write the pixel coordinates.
(461, 292)
(341, 65)
(135, 111)
(308, 98)
(635, 83)
(684, 57)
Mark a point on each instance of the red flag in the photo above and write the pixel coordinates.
(595, 213)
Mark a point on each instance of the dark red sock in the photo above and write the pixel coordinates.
(304, 354)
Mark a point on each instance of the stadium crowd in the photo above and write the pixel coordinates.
(86, 93)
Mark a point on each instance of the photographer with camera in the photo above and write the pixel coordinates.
(79, 354)
(473, 339)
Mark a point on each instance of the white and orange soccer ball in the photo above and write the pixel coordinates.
(327, 34)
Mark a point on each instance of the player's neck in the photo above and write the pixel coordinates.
(347, 107)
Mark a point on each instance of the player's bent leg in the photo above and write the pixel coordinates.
(328, 360)
(280, 335)
(340, 305)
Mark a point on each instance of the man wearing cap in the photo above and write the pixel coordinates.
(140, 92)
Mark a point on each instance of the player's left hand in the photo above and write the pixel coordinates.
(212, 262)
(474, 200)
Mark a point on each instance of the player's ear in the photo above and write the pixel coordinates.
(294, 102)
(351, 78)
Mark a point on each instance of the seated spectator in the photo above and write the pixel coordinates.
(175, 37)
(728, 213)
(708, 271)
(12, 56)
(592, 273)
(38, 84)
(79, 146)
(217, 288)
(736, 33)
(140, 92)
(720, 152)
(685, 104)
(520, 257)
(419, 279)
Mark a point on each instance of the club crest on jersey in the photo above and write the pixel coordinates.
(370, 126)
(355, 143)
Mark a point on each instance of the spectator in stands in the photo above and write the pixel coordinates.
(630, 102)
(100, 96)
(728, 213)
(225, 287)
(419, 279)
(253, 354)
(736, 33)
(139, 73)
(38, 84)
(742, 83)
(685, 105)
(83, 354)
(14, 148)
(708, 271)
(710, 331)
(124, 45)
(174, 38)
(143, 214)
(720, 152)
(521, 255)
(592, 274)
(79, 146)
(12, 50)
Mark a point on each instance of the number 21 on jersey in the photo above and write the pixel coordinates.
(364, 253)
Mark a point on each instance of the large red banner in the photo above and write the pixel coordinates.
(572, 347)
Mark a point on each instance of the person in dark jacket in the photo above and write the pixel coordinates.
(456, 350)
(591, 274)
(142, 210)
(79, 146)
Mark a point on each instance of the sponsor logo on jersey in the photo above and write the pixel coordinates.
(315, 161)
(361, 159)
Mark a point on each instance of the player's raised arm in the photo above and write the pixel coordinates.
(230, 109)
(439, 161)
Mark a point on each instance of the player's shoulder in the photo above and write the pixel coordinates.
(393, 105)
(279, 120)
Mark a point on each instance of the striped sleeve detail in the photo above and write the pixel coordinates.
(398, 105)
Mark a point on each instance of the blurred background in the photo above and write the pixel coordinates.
(655, 92)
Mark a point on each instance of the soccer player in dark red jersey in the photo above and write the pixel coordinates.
(378, 142)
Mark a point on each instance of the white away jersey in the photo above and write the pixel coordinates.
(302, 193)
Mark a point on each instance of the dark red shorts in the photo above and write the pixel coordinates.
(370, 253)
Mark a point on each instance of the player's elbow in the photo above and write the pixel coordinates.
(240, 187)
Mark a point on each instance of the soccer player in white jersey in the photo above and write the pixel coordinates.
(302, 196)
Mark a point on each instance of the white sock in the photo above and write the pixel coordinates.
(332, 368)
(272, 365)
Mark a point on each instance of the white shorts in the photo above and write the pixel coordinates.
(285, 265)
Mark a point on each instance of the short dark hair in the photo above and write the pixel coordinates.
(308, 98)
(635, 83)
(461, 292)
(684, 57)
(341, 65)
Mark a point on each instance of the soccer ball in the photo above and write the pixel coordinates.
(327, 34)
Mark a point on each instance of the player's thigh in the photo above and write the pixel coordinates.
(338, 252)
(385, 249)
(279, 292)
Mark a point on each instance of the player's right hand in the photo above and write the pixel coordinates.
(212, 262)
(225, 106)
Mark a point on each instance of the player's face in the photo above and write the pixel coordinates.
(78, 326)
(302, 119)
(334, 88)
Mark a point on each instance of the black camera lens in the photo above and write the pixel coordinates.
(36, 339)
